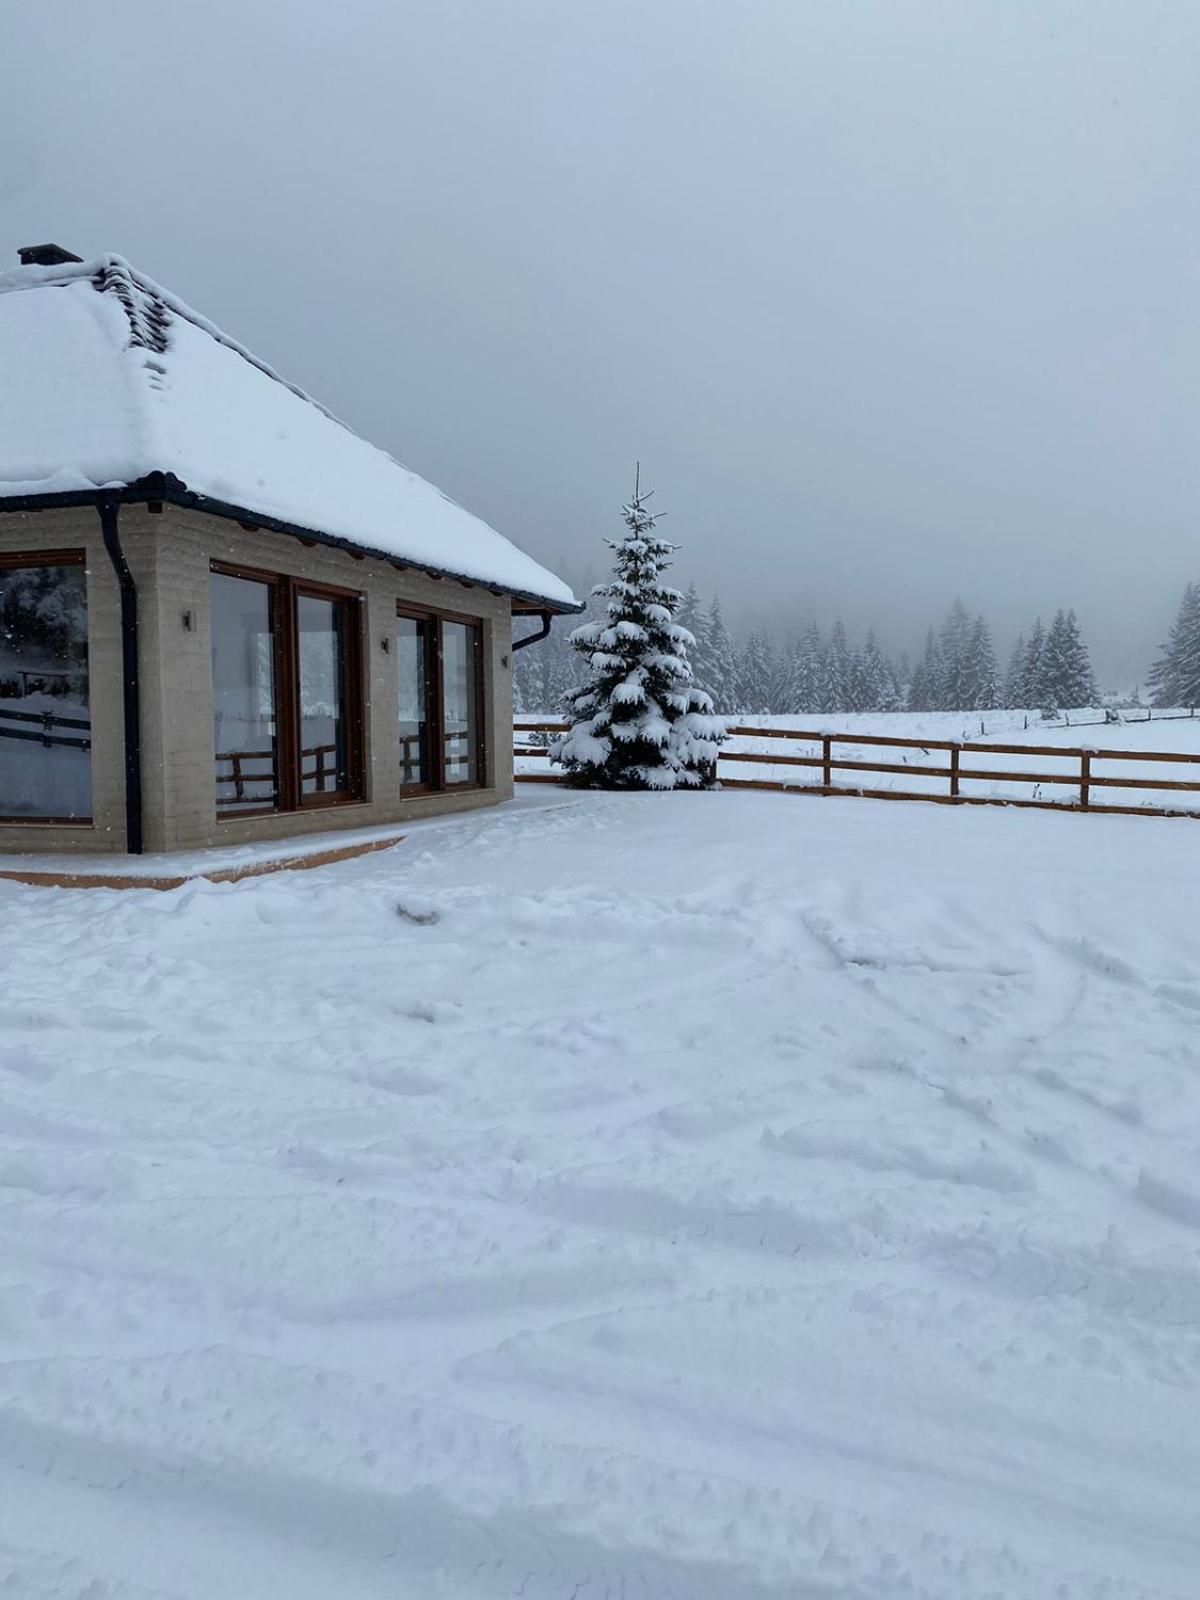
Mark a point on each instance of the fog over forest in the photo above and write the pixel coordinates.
(895, 303)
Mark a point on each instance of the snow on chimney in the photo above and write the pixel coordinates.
(45, 255)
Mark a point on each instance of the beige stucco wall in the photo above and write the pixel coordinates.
(170, 555)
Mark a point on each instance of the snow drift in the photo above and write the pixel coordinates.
(713, 1197)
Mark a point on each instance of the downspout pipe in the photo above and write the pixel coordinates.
(533, 638)
(108, 506)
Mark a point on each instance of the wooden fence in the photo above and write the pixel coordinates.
(1079, 772)
(39, 727)
(319, 769)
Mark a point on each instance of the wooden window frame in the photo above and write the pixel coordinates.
(43, 558)
(286, 592)
(11, 561)
(435, 707)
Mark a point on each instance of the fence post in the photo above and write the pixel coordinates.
(827, 758)
(1085, 773)
(954, 770)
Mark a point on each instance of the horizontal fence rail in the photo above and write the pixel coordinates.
(1079, 774)
(42, 730)
(238, 777)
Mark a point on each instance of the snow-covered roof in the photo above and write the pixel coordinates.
(105, 378)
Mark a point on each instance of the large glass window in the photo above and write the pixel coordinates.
(439, 665)
(413, 639)
(45, 724)
(460, 702)
(323, 765)
(243, 666)
(286, 693)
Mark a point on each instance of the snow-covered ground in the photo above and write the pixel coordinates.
(1176, 733)
(707, 1196)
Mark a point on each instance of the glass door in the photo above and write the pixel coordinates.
(245, 731)
(460, 703)
(321, 687)
(414, 638)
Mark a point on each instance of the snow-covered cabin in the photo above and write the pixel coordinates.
(223, 616)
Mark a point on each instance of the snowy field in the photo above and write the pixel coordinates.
(1175, 732)
(703, 1196)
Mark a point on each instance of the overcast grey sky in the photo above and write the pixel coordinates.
(895, 299)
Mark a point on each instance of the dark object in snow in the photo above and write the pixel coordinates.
(420, 919)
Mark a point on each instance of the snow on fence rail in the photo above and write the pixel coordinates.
(938, 772)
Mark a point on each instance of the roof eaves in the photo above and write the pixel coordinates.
(172, 491)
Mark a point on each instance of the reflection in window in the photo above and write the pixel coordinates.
(244, 723)
(45, 725)
(323, 764)
(460, 702)
(412, 654)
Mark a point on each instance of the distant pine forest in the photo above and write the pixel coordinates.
(819, 670)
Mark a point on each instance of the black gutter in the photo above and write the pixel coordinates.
(535, 638)
(165, 487)
(107, 503)
(178, 494)
(64, 497)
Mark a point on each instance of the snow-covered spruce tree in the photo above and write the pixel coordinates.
(1015, 676)
(755, 674)
(876, 683)
(1081, 680)
(788, 675)
(982, 675)
(689, 615)
(1054, 664)
(955, 641)
(722, 659)
(807, 671)
(856, 688)
(902, 682)
(779, 697)
(926, 685)
(687, 612)
(1067, 681)
(835, 685)
(1174, 679)
(1033, 684)
(639, 722)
